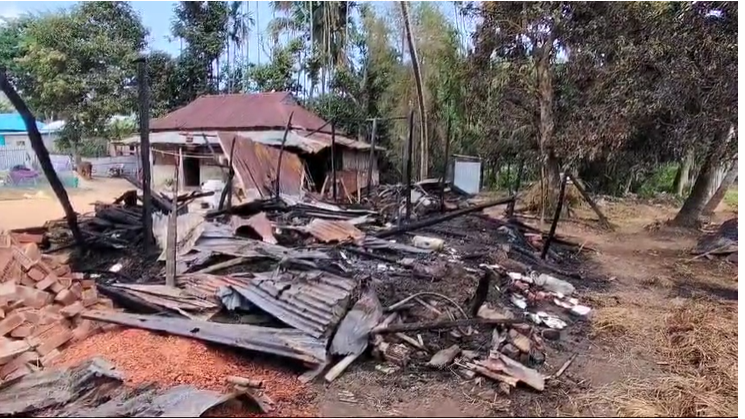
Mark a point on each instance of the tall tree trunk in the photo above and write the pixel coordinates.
(684, 172)
(424, 143)
(727, 182)
(546, 121)
(689, 214)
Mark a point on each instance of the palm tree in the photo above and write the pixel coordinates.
(325, 25)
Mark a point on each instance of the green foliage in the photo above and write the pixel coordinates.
(730, 198)
(278, 74)
(661, 180)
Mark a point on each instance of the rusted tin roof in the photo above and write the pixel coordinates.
(313, 302)
(286, 342)
(329, 231)
(67, 393)
(256, 166)
(236, 112)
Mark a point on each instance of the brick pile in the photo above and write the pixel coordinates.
(40, 305)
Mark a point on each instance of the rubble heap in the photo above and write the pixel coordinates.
(41, 302)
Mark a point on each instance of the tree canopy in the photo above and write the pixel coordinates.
(609, 90)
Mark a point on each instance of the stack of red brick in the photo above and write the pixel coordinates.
(40, 305)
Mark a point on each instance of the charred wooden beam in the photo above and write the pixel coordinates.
(144, 106)
(409, 152)
(37, 144)
(555, 221)
(447, 324)
(578, 184)
(282, 152)
(442, 218)
(373, 137)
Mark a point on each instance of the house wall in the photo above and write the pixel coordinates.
(356, 160)
(20, 139)
(165, 158)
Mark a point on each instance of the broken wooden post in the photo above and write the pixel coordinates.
(555, 221)
(42, 154)
(441, 218)
(443, 181)
(482, 291)
(227, 191)
(371, 161)
(577, 184)
(281, 152)
(511, 206)
(409, 152)
(333, 158)
(144, 105)
(171, 237)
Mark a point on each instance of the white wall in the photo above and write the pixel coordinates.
(14, 139)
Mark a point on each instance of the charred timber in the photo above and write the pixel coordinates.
(442, 218)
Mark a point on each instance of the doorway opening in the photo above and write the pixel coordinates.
(191, 172)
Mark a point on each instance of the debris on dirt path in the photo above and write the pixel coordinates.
(167, 361)
(66, 392)
(324, 284)
(721, 242)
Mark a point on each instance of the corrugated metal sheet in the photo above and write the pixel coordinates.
(313, 302)
(239, 112)
(329, 231)
(95, 389)
(206, 285)
(290, 343)
(256, 166)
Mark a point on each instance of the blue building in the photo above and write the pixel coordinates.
(13, 132)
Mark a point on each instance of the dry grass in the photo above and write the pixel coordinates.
(698, 343)
(532, 202)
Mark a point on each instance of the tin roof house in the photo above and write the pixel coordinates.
(252, 127)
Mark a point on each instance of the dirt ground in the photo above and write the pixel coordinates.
(662, 337)
(30, 207)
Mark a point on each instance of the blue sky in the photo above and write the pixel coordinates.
(156, 16)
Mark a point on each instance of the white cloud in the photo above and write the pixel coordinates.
(10, 11)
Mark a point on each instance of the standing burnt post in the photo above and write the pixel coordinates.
(281, 153)
(227, 191)
(555, 221)
(333, 158)
(144, 105)
(443, 181)
(372, 155)
(409, 152)
(37, 144)
(511, 206)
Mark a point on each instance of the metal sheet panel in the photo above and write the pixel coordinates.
(290, 343)
(313, 302)
(68, 393)
(467, 176)
(256, 166)
(329, 231)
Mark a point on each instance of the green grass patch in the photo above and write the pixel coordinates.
(730, 198)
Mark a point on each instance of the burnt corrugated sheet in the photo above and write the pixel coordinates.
(313, 302)
(95, 389)
(206, 285)
(329, 231)
(256, 166)
(288, 342)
